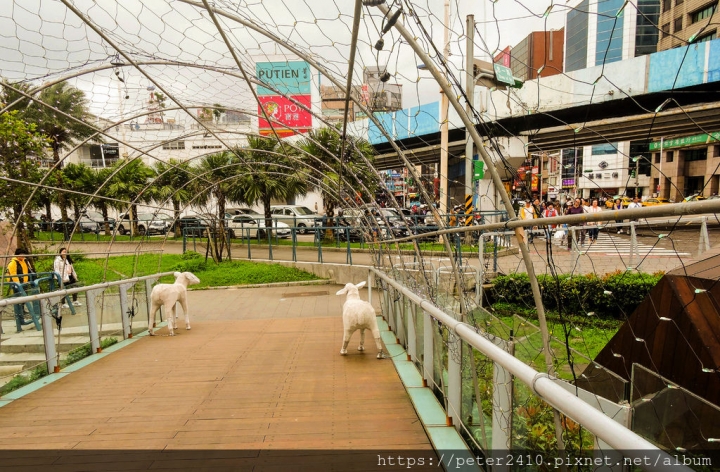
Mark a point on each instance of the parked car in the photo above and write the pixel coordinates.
(147, 223)
(694, 198)
(656, 201)
(86, 225)
(349, 225)
(230, 212)
(250, 226)
(97, 217)
(192, 225)
(297, 216)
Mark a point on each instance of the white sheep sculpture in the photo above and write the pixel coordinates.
(166, 295)
(358, 314)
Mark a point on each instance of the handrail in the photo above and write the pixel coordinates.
(615, 435)
(62, 293)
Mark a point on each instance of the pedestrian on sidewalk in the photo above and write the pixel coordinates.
(64, 266)
(528, 213)
(592, 209)
(575, 209)
(618, 205)
(550, 212)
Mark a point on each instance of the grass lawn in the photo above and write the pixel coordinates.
(92, 271)
(586, 336)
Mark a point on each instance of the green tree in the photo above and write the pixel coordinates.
(267, 174)
(130, 183)
(218, 175)
(174, 182)
(20, 145)
(101, 184)
(79, 178)
(218, 112)
(348, 174)
(49, 112)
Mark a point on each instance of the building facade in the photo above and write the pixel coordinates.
(686, 166)
(682, 20)
(599, 32)
(540, 51)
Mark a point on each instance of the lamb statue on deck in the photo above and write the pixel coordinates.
(358, 314)
(166, 295)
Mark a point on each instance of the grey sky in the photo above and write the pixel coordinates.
(40, 39)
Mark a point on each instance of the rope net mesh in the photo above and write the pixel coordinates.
(151, 111)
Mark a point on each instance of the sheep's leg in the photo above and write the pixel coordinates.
(346, 341)
(170, 309)
(183, 303)
(154, 307)
(378, 343)
(361, 347)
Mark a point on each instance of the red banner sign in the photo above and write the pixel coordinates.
(285, 114)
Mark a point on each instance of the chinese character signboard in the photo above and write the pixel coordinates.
(285, 115)
(685, 141)
(285, 98)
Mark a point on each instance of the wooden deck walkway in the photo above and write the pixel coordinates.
(257, 384)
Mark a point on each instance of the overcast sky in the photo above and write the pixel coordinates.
(41, 40)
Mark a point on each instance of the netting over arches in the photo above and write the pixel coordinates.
(192, 108)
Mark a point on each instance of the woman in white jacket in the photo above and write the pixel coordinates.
(63, 265)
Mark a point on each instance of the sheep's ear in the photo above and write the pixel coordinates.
(361, 284)
(342, 291)
(177, 274)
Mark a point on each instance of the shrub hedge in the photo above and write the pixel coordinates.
(580, 294)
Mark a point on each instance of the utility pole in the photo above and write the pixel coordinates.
(470, 93)
(444, 105)
(576, 174)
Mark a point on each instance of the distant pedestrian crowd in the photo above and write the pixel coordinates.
(532, 209)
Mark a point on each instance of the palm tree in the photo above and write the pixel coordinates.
(130, 183)
(174, 182)
(269, 175)
(101, 183)
(219, 173)
(350, 175)
(80, 178)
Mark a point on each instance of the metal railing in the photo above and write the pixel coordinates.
(418, 324)
(118, 309)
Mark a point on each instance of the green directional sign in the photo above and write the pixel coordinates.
(685, 141)
(478, 170)
(503, 74)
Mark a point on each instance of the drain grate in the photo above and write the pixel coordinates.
(305, 294)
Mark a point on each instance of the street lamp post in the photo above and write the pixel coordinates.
(444, 106)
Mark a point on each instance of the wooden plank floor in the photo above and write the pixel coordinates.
(250, 394)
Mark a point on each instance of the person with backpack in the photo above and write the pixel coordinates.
(20, 271)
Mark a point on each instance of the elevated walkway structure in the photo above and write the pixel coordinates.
(259, 380)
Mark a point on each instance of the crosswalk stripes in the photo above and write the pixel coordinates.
(610, 244)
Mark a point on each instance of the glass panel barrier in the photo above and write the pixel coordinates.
(674, 418)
